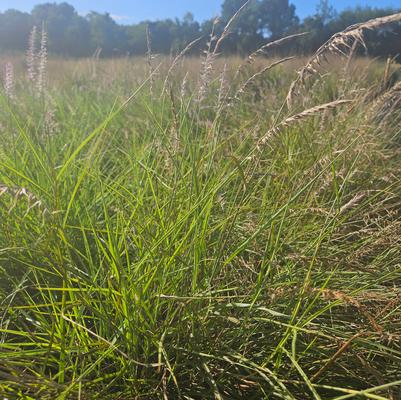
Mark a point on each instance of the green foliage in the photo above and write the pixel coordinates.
(65, 28)
(14, 30)
(105, 34)
(153, 246)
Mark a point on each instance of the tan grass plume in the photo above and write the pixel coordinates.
(342, 43)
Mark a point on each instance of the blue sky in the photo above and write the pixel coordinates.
(127, 11)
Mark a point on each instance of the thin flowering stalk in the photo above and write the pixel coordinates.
(31, 55)
(150, 58)
(175, 62)
(207, 65)
(223, 88)
(310, 112)
(212, 52)
(9, 80)
(259, 74)
(41, 79)
(184, 84)
(226, 30)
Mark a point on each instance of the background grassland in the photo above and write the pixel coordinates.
(201, 239)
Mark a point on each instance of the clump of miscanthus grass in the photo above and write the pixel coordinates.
(216, 234)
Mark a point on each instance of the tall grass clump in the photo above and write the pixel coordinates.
(221, 233)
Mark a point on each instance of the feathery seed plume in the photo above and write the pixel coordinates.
(31, 55)
(9, 80)
(41, 79)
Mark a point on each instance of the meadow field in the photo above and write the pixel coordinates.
(201, 228)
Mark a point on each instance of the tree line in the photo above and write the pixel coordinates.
(71, 34)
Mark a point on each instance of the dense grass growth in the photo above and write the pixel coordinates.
(196, 237)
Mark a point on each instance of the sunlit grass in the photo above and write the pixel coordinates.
(152, 247)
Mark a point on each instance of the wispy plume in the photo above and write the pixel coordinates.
(223, 87)
(150, 58)
(41, 79)
(207, 64)
(184, 84)
(9, 80)
(31, 55)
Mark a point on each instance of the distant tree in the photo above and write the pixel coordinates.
(14, 30)
(163, 33)
(106, 34)
(248, 21)
(260, 20)
(247, 27)
(325, 13)
(188, 30)
(167, 36)
(136, 38)
(317, 26)
(68, 32)
(278, 18)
